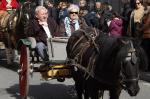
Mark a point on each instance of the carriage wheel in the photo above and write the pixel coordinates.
(24, 72)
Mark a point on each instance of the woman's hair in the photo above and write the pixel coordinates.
(141, 1)
(73, 6)
(115, 14)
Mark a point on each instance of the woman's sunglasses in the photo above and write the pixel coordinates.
(138, 3)
(73, 12)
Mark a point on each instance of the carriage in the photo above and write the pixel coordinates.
(57, 68)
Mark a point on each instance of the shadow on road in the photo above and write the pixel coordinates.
(45, 91)
(14, 66)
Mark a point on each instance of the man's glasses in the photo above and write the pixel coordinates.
(73, 12)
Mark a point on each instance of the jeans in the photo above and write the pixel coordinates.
(41, 49)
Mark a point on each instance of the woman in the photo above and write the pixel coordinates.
(73, 22)
(116, 25)
(136, 19)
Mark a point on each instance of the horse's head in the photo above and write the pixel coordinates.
(129, 70)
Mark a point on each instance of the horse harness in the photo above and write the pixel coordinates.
(89, 70)
(91, 66)
(133, 59)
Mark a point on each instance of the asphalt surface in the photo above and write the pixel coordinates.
(52, 89)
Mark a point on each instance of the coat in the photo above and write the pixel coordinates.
(35, 30)
(82, 24)
(146, 26)
(115, 27)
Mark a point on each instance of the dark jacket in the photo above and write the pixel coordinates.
(35, 30)
(82, 24)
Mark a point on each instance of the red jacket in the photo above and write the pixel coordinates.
(3, 4)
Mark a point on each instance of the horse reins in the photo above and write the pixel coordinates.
(133, 60)
(91, 66)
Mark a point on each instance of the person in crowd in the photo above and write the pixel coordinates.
(62, 11)
(82, 3)
(116, 25)
(146, 34)
(105, 17)
(52, 10)
(126, 17)
(41, 28)
(136, 20)
(98, 5)
(72, 22)
(83, 8)
(92, 18)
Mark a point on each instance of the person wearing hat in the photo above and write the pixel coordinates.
(73, 22)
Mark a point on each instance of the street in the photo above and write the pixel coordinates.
(52, 89)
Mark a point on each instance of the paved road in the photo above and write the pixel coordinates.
(51, 89)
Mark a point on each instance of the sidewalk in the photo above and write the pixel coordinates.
(145, 76)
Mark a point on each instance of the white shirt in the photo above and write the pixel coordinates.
(47, 31)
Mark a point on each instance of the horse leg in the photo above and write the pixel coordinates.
(79, 90)
(91, 89)
(86, 91)
(78, 83)
(114, 93)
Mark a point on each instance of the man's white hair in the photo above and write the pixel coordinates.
(72, 7)
(39, 8)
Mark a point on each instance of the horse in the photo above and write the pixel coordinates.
(105, 63)
(13, 25)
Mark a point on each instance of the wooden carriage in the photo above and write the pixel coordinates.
(56, 68)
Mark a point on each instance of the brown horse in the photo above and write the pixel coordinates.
(8, 21)
(13, 25)
(8, 24)
(106, 63)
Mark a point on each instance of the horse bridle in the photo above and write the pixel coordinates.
(89, 37)
(131, 57)
(90, 40)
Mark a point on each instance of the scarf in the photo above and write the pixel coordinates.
(67, 25)
(138, 14)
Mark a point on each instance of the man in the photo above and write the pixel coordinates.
(41, 28)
